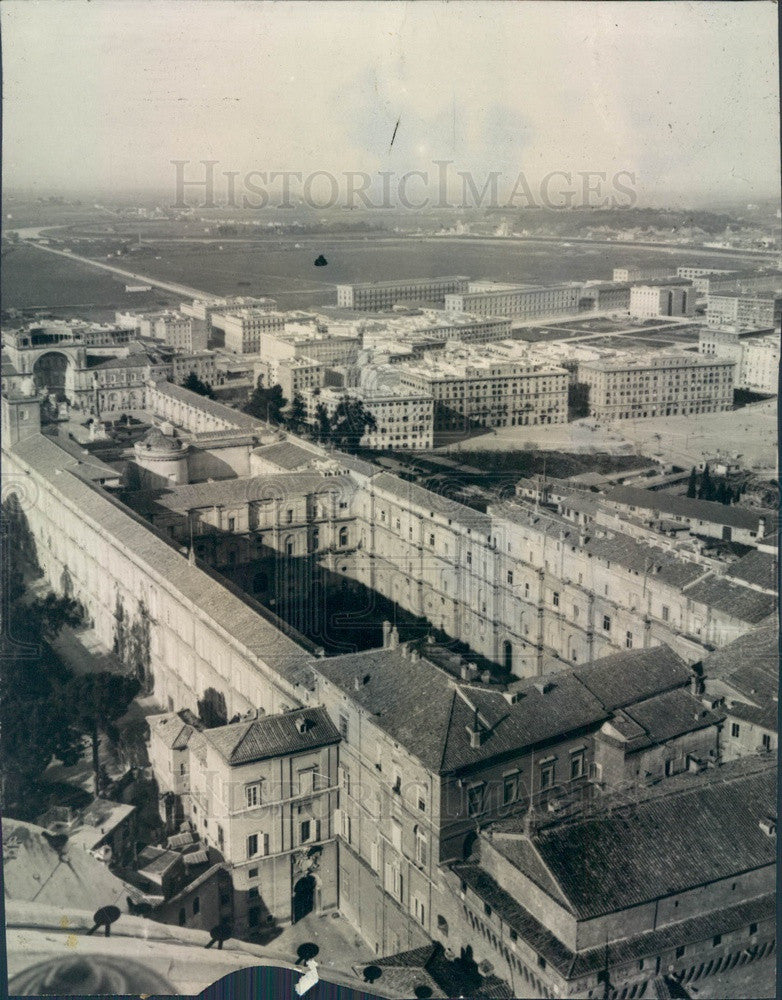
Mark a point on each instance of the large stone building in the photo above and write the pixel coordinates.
(629, 386)
(244, 329)
(662, 297)
(489, 389)
(385, 294)
(517, 301)
(744, 311)
(404, 416)
(436, 745)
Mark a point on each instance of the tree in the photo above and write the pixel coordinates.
(322, 423)
(212, 709)
(297, 414)
(692, 485)
(706, 491)
(194, 384)
(266, 403)
(94, 702)
(350, 423)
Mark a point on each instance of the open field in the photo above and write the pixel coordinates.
(750, 432)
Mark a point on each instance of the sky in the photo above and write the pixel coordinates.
(104, 95)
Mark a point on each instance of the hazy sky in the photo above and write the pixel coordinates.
(108, 93)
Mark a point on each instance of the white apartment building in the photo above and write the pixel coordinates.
(297, 375)
(385, 294)
(626, 387)
(668, 297)
(404, 417)
(517, 301)
(701, 277)
(761, 364)
(492, 391)
(640, 273)
(245, 328)
(744, 311)
(285, 345)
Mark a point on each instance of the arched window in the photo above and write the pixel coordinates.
(507, 655)
(343, 537)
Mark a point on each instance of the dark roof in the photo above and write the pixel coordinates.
(171, 729)
(734, 600)
(756, 568)
(668, 716)
(665, 844)
(635, 674)
(759, 647)
(749, 669)
(138, 359)
(644, 559)
(700, 510)
(429, 713)
(273, 736)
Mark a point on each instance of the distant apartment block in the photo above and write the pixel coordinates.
(385, 294)
(641, 273)
(744, 311)
(754, 352)
(667, 297)
(244, 329)
(403, 416)
(657, 385)
(761, 364)
(517, 301)
(490, 391)
(703, 278)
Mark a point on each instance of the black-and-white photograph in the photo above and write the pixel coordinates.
(390, 498)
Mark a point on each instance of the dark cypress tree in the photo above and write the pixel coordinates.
(706, 491)
(692, 485)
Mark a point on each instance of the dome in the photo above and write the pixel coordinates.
(156, 440)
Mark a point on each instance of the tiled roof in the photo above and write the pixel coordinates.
(669, 715)
(749, 668)
(759, 647)
(633, 675)
(229, 614)
(410, 493)
(731, 598)
(171, 729)
(136, 360)
(665, 844)
(273, 736)
(644, 559)
(756, 568)
(701, 510)
(287, 455)
(429, 713)
(273, 486)
(210, 406)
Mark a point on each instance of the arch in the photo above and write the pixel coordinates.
(507, 655)
(343, 536)
(50, 372)
(303, 898)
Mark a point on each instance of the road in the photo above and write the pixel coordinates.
(168, 286)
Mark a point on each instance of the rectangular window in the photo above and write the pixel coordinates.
(289, 516)
(419, 910)
(510, 788)
(548, 774)
(510, 576)
(735, 730)
(252, 845)
(629, 640)
(396, 835)
(555, 598)
(305, 831)
(606, 623)
(252, 873)
(666, 612)
(307, 781)
(431, 540)
(231, 523)
(766, 741)
(475, 800)
(577, 765)
(680, 951)
(252, 795)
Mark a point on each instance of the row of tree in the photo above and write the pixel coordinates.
(46, 712)
(344, 428)
(705, 487)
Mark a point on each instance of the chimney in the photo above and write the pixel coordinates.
(696, 685)
(386, 634)
(472, 671)
(393, 638)
(465, 671)
(414, 656)
(474, 731)
(486, 677)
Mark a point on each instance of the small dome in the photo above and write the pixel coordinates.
(156, 440)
